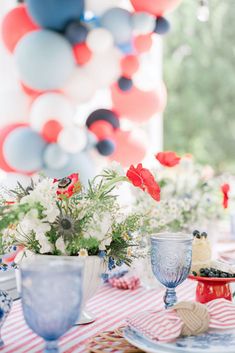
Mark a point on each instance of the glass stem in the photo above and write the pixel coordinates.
(51, 347)
(170, 297)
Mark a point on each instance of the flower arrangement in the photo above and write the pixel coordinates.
(190, 195)
(61, 217)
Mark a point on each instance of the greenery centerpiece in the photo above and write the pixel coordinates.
(61, 217)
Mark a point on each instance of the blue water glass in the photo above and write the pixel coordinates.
(171, 257)
(51, 296)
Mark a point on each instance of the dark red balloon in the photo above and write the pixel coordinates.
(15, 25)
(102, 129)
(4, 132)
(155, 7)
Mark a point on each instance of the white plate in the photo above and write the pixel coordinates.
(210, 342)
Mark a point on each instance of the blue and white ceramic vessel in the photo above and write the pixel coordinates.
(5, 308)
(210, 342)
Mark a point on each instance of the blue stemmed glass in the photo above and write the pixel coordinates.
(51, 296)
(171, 257)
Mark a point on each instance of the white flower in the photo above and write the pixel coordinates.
(44, 194)
(83, 253)
(101, 226)
(104, 243)
(60, 245)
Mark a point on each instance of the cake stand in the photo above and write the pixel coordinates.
(211, 288)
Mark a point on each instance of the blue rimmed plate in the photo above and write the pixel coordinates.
(210, 342)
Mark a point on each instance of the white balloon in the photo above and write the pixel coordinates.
(51, 106)
(14, 107)
(143, 23)
(81, 87)
(72, 139)
(100, 6)
(104, 68)
(99, 40)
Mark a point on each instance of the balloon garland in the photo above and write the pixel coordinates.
(64, 52)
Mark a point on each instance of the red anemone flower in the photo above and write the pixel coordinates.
(168, 159)
(225, 188)
(69, 185)
(144, 179)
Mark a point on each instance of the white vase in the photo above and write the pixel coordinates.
(93, 269)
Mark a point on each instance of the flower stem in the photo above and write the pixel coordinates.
(112, 182)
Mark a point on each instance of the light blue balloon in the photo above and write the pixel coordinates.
(54, 157)
(118, 22)
(81, 163)
(44, 59)
(23, 149)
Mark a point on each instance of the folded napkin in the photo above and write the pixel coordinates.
(125, 282)
(184, 319)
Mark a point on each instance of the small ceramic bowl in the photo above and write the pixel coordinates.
(211, 288)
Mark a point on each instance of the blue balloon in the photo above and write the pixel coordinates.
(118, 22)
(125, 84)
(76, 32)
(127, 48)
(54, 157)
(106, 147)
(81, 163)
(162, 26)
(55, 14)
(45, 60)
(23, 150)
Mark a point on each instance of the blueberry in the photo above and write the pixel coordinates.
(210, 274)
(194, 273)
(198, 236)
(204, 234)
(206, 271)
(195, 232)
(202, 270)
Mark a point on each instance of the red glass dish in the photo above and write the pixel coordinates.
(211, 288)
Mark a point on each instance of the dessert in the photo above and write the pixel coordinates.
(201, 255)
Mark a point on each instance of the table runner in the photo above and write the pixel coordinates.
(111, 307)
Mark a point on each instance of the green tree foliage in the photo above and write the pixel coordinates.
(199, 70)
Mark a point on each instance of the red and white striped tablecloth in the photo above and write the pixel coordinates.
(111, 306)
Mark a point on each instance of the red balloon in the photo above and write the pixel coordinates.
(4, 132)
(130, 148)
(138, 106)
(155, 7)
(143, 43)
(82, 53)
(15, 25)
(102, 129)
(51, 130)
(129, 65)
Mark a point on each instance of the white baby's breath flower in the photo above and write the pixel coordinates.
(83, 253)
(60, 245)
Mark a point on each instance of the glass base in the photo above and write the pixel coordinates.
(51, 347)
(86, 317)
(170, 297)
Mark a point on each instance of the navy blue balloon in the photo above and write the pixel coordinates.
(103, 114)
(55, 14)
(76, 32)
(162, 26)
(125, 84)
(106, 147)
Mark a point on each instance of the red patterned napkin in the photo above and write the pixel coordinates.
(166, 325)
(125, 282)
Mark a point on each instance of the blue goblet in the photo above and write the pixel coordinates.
(171, 257)
(51, 296)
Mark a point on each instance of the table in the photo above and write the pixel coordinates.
(110, 305)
